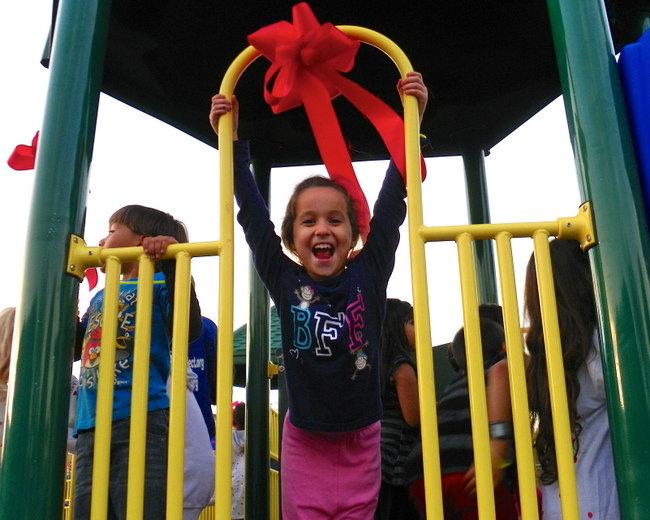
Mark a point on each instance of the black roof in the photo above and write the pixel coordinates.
(489, 64)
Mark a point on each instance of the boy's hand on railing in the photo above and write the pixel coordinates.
(220, 106)
(154, 247)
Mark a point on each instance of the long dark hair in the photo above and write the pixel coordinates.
(393, 337)
(577, 318)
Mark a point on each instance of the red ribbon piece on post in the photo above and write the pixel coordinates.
(307, 60)
(24, 156)
(91, 277)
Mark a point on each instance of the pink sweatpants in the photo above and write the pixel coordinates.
(330, 475)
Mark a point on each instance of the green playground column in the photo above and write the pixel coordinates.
(33, 460)
(478, 208)
(608, 177)
(257, 382)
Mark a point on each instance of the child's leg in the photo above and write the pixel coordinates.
(330, 475)
(360, 474)
(155, 488)
(83, 474)
(155, 485)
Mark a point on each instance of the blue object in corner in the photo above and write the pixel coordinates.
(634, 69)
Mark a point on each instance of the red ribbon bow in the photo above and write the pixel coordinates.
(24, 156)
(306, 64)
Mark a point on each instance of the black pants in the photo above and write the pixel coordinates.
(395, 504)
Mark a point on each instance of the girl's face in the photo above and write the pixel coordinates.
(322, 234)
(409, 332)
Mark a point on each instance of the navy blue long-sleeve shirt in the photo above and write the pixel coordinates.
(330, 328)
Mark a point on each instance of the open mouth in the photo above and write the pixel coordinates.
(323, 251)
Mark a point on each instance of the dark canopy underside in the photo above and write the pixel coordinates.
(489, 64)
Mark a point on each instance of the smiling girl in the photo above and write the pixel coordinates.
(331, 309)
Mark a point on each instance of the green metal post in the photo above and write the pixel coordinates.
(608, 177)
(257, 382)
(33, 460)
(478, 207)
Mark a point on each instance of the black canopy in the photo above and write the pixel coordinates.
(490, 66)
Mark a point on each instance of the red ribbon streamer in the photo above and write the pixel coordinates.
(307, 60)
(24, 156)
(91, 277)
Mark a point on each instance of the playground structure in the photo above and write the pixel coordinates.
(603, 151)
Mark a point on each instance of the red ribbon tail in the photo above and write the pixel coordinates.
(387, 122)
(332, 147)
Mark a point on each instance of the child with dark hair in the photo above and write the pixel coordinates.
(238, 459)
(576, 307)
(154, 230)
(331, 307)
(455, 432)
(399, 424)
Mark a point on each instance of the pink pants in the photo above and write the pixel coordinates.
(330, 475)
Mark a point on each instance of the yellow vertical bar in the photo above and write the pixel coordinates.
(70, 491)
(423, 349)
(476, 378)
(139, 393)
(223, 452)
(104, 409)
(556, 381)
(176, 453)
(517, 377)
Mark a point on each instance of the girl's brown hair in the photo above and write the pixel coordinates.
(7, 317)
(286, 231)
(577, 318)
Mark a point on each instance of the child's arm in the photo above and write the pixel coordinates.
(155, 247)
(221, 106)
(499, 412)
(390, 206)
(406, 385)
(253, 213)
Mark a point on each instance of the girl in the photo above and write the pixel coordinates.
(584, 381)
(331, 309)
(399, 392)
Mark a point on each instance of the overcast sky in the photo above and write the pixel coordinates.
(137, 159)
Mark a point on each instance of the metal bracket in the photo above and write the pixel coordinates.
(80, 257)
(272, 370)
(580, 228)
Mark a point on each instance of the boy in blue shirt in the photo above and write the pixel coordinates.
(202, 359)
(154, 230)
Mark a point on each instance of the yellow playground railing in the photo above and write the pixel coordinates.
(577, 228)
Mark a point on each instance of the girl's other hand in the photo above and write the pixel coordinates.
(154, 247)
(220, 106)
(413, 84)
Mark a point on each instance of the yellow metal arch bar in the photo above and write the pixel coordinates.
(420, 298)
(139, 395)
(102, 442)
